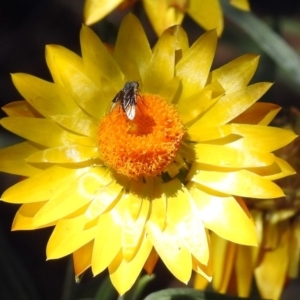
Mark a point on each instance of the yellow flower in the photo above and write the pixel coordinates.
(277, 257)
(124, 189)
(166, 13)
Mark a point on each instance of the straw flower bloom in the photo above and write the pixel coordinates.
(124, 189)
(166, 13)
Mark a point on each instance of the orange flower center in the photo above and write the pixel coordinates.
(144, 146)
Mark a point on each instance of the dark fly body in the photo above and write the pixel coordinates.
(127, 98)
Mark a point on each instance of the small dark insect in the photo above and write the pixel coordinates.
(127, 99)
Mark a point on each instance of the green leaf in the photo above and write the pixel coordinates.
(267, 39)
(190, 294)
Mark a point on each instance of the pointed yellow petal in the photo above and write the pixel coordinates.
(184, 218)
(24, 217)
(68, 236)
(98, 62)
(82, 258)
(207, 13)
(64, 202)
(224, 156)
(41, 186)
(107, 242)
(132, 48)
(13, 159)
(43, 131)
(162, 65)
(133, 227)
(95, 10)
(162, 15)
(55, 51)
(225, 216)
(20, 109)
(195, 65)
(221, 113)
(259, 113)
(70, 69)
(240, 183)
(47, 98)
(123, 274)
(236, 74)
(265, 138)
(172, 251)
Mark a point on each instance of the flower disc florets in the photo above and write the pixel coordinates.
(144, 146)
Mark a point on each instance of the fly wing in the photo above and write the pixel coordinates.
(130, 111)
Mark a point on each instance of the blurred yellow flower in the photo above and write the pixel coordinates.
(277, 257)
(166, 13)
(124, 189)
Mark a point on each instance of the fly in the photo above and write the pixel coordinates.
(127, 99)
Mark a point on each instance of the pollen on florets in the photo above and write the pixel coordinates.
(144, 146)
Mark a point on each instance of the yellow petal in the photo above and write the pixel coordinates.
(24, 217)
(70, 69)
(64, 202)
(224, 156)
(195, 64)
(134, 218)
(107, 242)
(221, 113)
(123, 274)
(98, 62)
(65, 155)
(68, 236)
(46, 97)
(55, 51)
(225, 216)
(95, 10)
(259, 113)
(82, 258)
(172, 251)
(205, 271)
(193, 106)
(240, 4)
(13, 159)
(207, 13)
(243, 269)
(294, 254)
(132, 48)
(42, 186)
(20, 109)
(236, 74)
(44, 132)
(161, 65)
(162, 15)
(158, 206)
(266, 138)
(184, 218)
(104, 198)
(240, 183)
(270, 275)
(223, 264)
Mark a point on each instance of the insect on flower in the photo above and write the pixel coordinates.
(127, 99)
